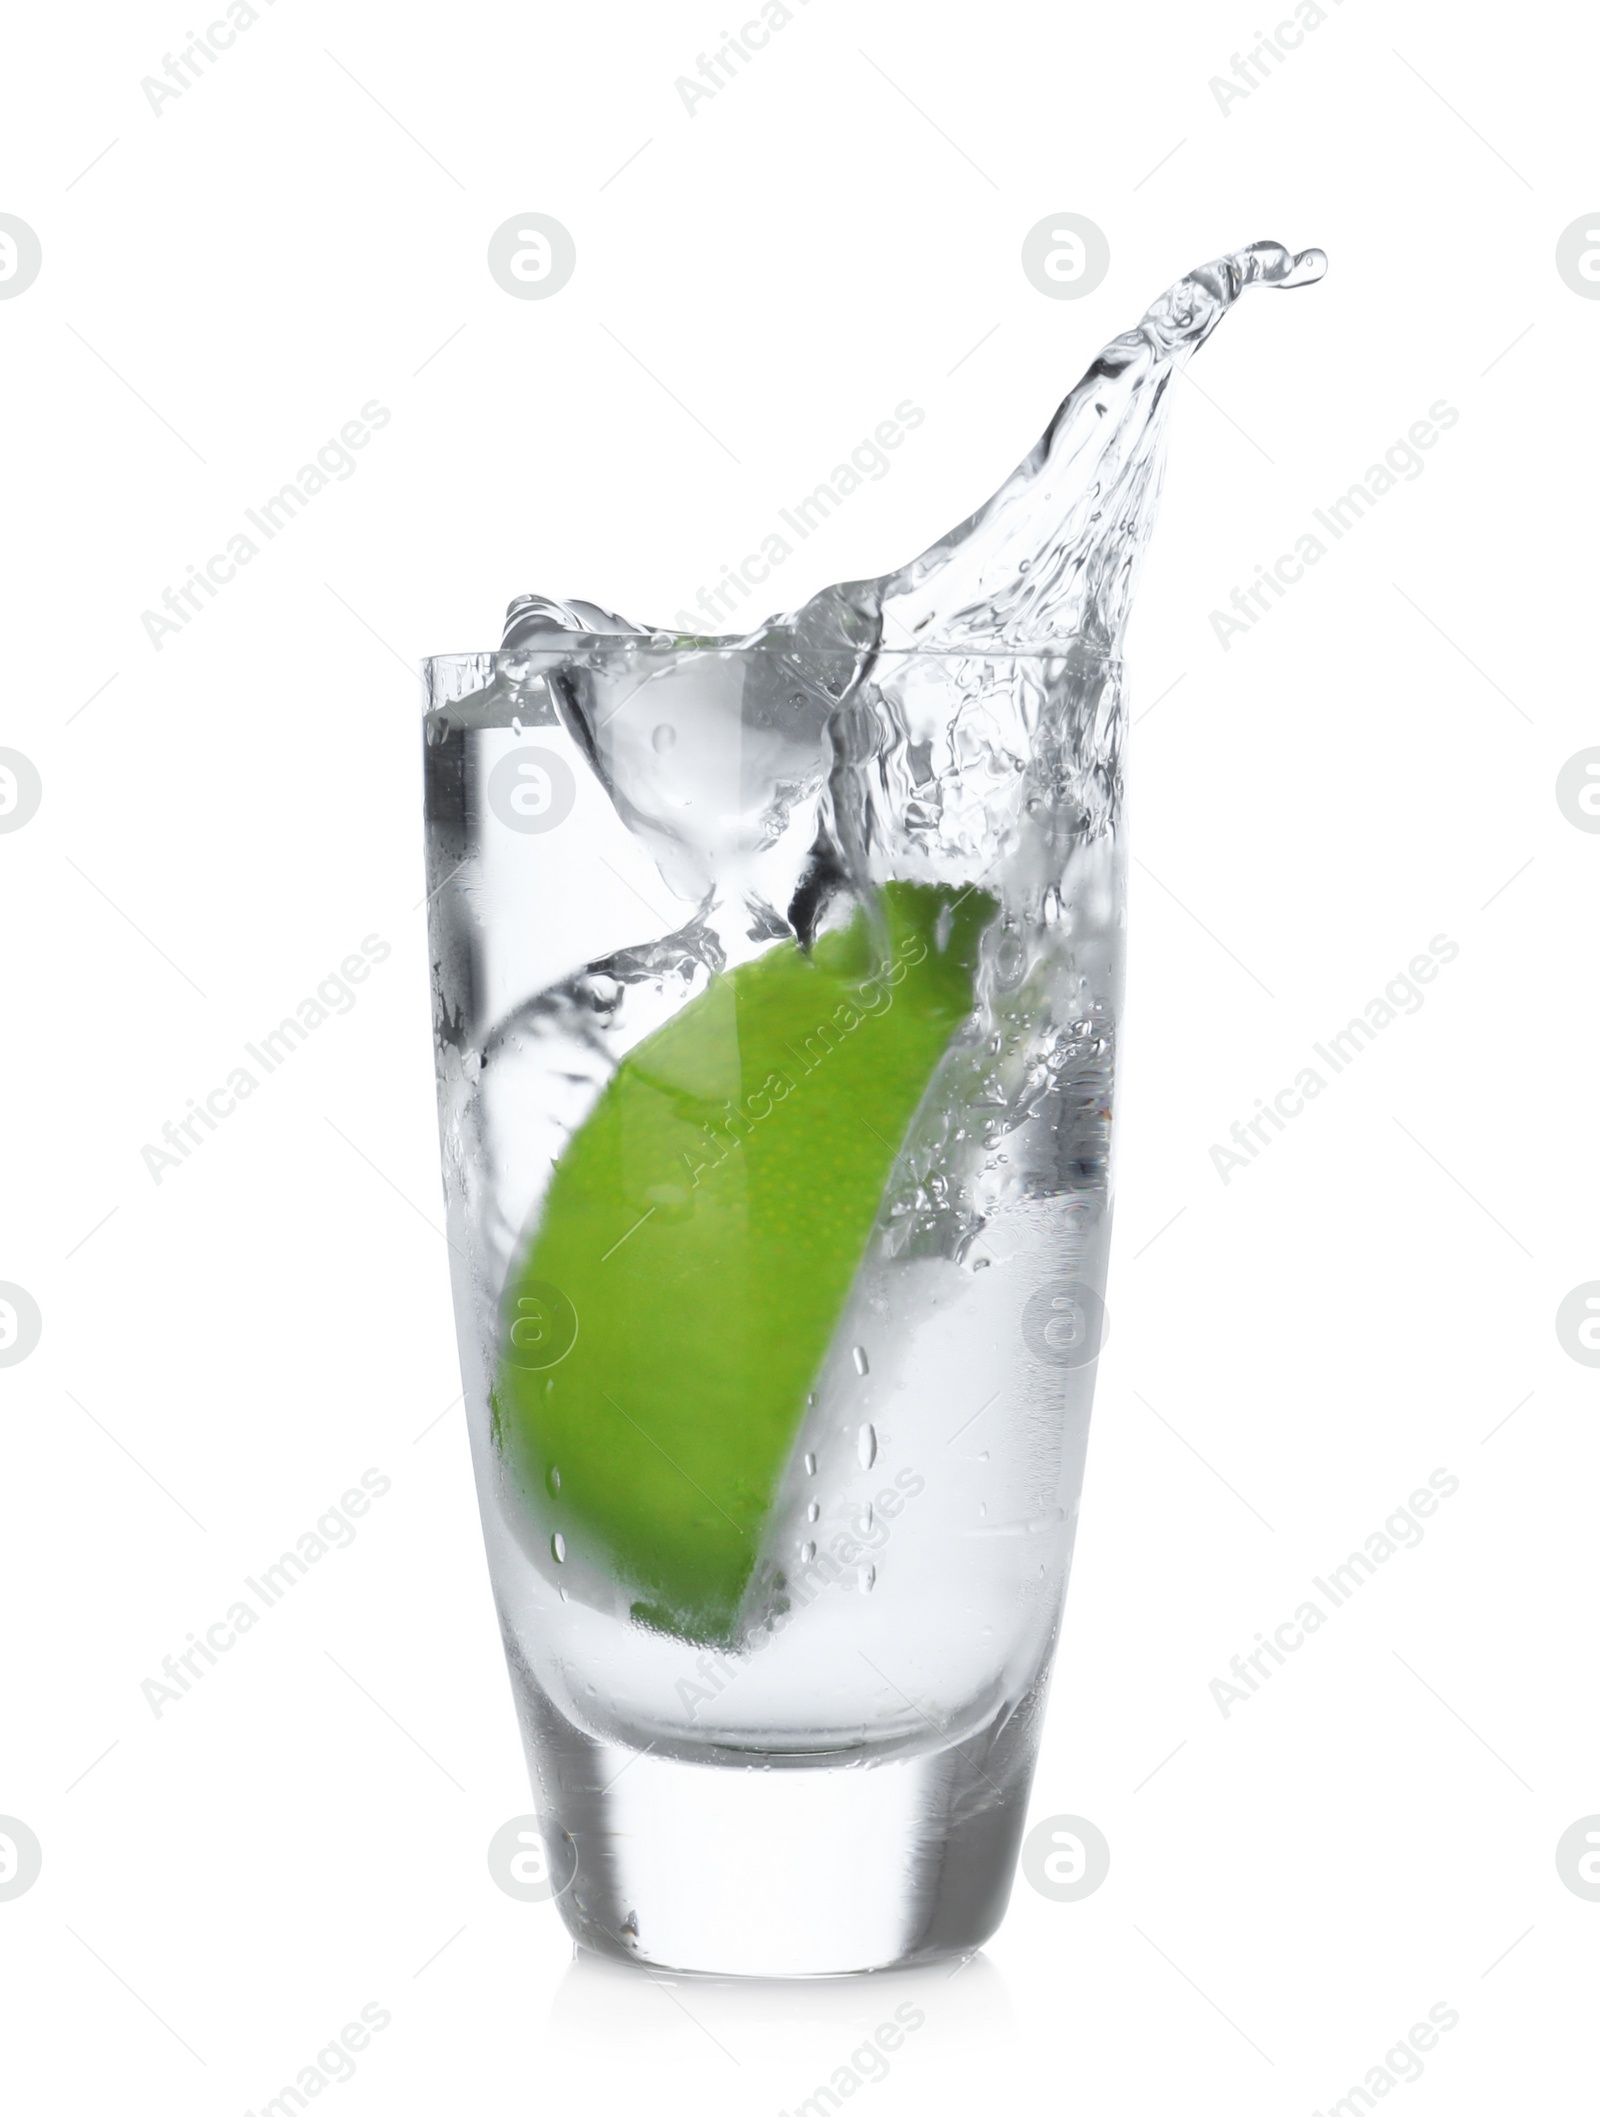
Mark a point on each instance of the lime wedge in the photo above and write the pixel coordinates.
(698, 1242)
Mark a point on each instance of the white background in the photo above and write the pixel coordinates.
(1373, 1298)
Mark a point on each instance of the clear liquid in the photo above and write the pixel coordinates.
(916, 1548)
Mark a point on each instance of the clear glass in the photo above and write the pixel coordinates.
(779, 1526)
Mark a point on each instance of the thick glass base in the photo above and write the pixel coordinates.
(794, 1866)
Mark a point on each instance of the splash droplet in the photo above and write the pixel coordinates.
(558, 1548)
(858, 1353)
(811, 1464)
(867, 1446)
(808, 1552)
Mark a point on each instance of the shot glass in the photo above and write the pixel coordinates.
(775, 993)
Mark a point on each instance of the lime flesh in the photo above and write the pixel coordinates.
(698, 1243)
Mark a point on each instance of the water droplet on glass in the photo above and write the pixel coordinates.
(811, 1464)
(808, 1552)
(558, 1548)
(867, 1446)
(858, 1353)
(554, 1479)
(868, 1577)
(813, 1512)
(867, 1519)
(663, 739)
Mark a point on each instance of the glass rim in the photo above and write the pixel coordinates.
(686, 646)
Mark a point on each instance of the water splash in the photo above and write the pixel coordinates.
(1045, 570)
(1053, 553)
